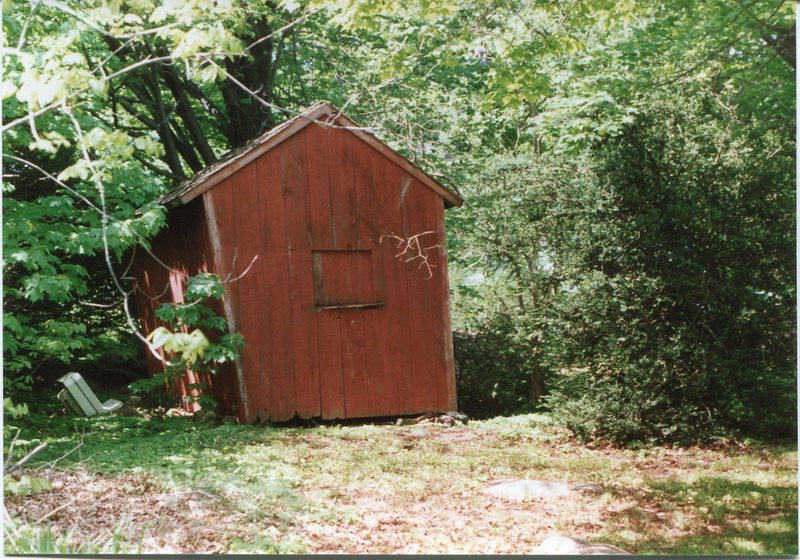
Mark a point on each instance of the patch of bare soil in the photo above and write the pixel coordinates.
(92, 508)
(466, 522)
(425, 498)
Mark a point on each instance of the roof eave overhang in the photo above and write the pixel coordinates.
(324, 114)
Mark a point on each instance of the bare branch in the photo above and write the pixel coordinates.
(254, 95)
(18, 465)
(11, 448)
(32, 115)
(229, 280)
(284, 28)
(34, 6)
(54, 511)
(54, 462)
(92, 206)
(411, 249)
(147, 61)
(56, 180)
(104, 231)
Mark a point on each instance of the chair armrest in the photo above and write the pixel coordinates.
(111, 404)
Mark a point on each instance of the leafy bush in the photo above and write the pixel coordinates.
(190, 350)
(676, 322)
(653, 276)
(492, 370)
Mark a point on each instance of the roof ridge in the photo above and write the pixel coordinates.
(246, 152)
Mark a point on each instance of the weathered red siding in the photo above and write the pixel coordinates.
(316, 212)
(183, 249)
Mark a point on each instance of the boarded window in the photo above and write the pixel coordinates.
(344, 279)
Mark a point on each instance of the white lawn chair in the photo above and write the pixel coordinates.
(78, 396)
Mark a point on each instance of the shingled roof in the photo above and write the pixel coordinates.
(322, 113)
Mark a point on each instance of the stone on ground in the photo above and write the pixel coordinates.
(562, 544)
(526, 489)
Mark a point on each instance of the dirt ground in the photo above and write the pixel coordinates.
(419, 490)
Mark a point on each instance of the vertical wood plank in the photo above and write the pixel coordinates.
(224, 384)
(221, 224)
(329, 338)
(319, 191)
(146, 271)
(440, 313)
(329, 343)
(221, 199)
(343, 198)
(250, 286)
(354, 322)
(375, 320)
(356, 390)
(396, 327)
(276, 316)
(298, 228)
(422, 385)
(344, 215)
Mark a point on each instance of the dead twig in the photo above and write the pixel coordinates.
(411, 421)
(53, 512)
(411, 249)
(52, 464)
(27, 458)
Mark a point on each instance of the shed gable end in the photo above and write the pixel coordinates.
(321, 114)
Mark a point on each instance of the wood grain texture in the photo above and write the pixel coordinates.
(344, 218)
(227, 386)
(318, 114)
(336, 323)
(342, 188)
(416, 222)
(440, 311)
(396, 329)
(276, 314)
(331, 382)
(156, 284)
(301, 289)
(368, 219)
(248, 284)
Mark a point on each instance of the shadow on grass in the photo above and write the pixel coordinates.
(776, 537)
(722, 516)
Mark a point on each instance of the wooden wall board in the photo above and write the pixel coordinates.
(369, 217)
(343, 197)
(320, 209)
(248, 283)
(397, 359)
(277, 314)
(331, 382)
(303, 320)
(422, 390)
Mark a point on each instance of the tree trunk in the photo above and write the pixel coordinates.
(537, 379)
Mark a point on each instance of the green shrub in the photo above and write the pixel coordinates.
(677, 321)
(492, 370)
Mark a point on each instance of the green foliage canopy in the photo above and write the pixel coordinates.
(628, 166)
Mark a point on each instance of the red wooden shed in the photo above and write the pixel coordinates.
(337, 323)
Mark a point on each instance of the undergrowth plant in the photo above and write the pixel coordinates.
(25, 484)
(185, 344)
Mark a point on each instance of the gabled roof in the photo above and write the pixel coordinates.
(322, 113)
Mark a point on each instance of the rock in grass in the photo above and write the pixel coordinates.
(525, 489)
(562, 544)
(463, 418)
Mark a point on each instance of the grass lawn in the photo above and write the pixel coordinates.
(178, 485)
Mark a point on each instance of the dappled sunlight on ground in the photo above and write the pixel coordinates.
(180, 486)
